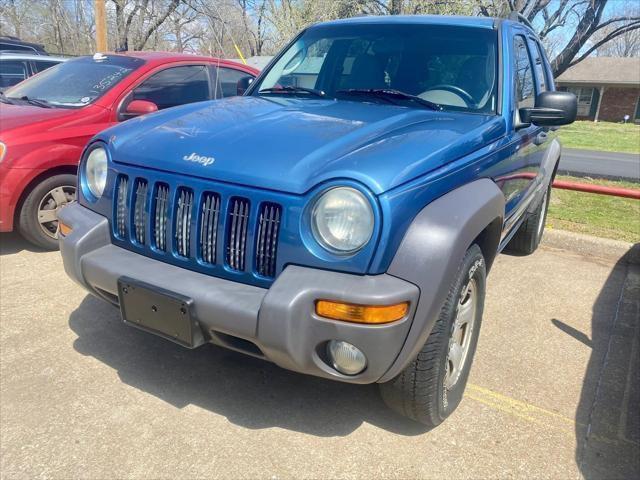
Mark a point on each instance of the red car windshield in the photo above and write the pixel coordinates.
(75, 83)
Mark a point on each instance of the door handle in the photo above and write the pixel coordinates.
(540, 138)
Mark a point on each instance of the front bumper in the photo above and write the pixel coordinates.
(278, 323)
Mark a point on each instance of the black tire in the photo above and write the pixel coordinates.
(419, 391)
(529, 234)
(39, 196)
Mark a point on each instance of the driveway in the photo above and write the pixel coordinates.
(600, 164)
(552, 394)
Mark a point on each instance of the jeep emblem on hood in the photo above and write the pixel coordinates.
(194, 157)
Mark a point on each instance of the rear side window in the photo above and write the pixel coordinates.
(228, 81)
(12, 72)
(40, 65)
(525, 92)
(13, 47)
(541, 71)
(175, 86)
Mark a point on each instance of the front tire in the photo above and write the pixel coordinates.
(430, 388)
(38, 219)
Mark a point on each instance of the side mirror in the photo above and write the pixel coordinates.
(551, 109)
(139, 107)
(243, 84)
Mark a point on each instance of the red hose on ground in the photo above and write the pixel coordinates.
(601, 189)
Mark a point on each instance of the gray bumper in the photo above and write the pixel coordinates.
(279, 321)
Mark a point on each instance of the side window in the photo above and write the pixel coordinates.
(12, 47)
(11, 73)
(175, 86)
(40, 65)
(525, 92)
(228, 81)
(541, 70)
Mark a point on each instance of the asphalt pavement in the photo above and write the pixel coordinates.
(600, 164)
(553, 392)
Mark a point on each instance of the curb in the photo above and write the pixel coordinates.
(602, 248)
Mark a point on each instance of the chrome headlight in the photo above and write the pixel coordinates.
(3, 150)
(342, 220)
(95, 171)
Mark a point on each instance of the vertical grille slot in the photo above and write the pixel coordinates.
(121, 206)
(238, 220)
(160, 217)
(267, 239)
(210, 212)
(183, 222)
(140, 210)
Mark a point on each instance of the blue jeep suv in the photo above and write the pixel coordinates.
(340, 218)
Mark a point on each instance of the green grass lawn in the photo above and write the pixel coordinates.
(606, 136)
(594, 214)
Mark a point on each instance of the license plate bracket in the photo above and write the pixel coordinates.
(159, 311)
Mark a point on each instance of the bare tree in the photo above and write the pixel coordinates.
(146, 15)
(590, 23)
(625, 45)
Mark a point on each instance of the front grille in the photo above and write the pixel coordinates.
(183, 222)
(122, 212)
(267, 242)
(210, 212)
(160, 215)
(238, 221)
(140, 210)
(212, 231)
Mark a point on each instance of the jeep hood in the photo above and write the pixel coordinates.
(291, 145)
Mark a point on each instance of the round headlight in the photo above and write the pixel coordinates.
(342, 220)
(96, 171)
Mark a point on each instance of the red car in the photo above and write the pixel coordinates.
(46, 121)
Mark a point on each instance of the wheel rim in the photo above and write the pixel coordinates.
(542, 214)
(461, 334)
(50, 205)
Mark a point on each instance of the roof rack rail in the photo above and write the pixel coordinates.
(518, 17)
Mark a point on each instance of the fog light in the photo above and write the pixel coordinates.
(346, 358)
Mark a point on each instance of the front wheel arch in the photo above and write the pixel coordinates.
(433, 247)
(35, 181)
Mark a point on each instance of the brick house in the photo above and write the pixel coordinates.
(608, 88)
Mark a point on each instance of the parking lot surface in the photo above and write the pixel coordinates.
(553, 391)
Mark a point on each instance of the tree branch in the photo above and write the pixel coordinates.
(154, 26)
(615, 33)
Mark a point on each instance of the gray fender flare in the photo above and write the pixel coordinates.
(547, 169)
(433, 247)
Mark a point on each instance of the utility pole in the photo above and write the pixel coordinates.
(101, 25)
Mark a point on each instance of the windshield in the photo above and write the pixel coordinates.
(75, 83)
(453, 67)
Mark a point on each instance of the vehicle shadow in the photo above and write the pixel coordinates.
(11, 243)
(608, 414)
(249, 392)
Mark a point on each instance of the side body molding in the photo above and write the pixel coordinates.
(433, 247)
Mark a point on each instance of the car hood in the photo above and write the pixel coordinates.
(291, 145)
(16, 116)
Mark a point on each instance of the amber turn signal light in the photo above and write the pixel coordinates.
(372, 314)
(64, 229)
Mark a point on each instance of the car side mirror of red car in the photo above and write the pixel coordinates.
(140, 107)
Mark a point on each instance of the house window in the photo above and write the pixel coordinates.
(585, 98)
(637, 115)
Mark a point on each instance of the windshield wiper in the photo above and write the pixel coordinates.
(390, 93)
(34, 101)
(5, 99)
(291, 89)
